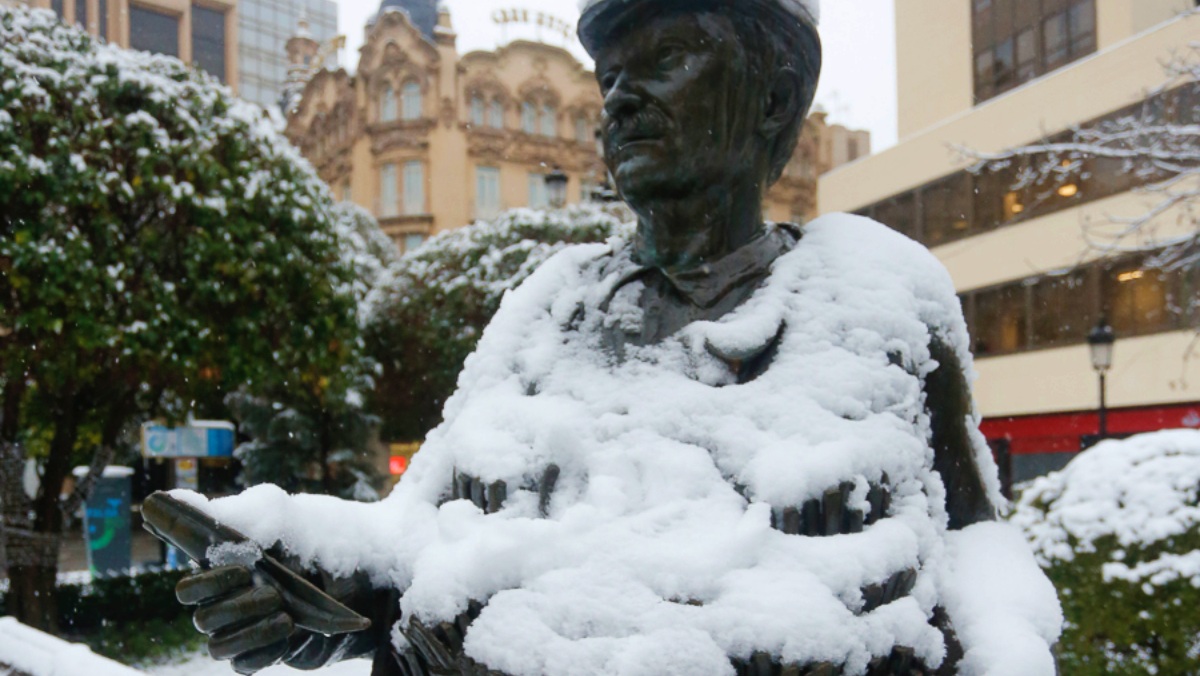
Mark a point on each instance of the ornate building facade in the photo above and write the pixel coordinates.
(427, 139)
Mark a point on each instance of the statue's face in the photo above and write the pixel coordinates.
(679, 117)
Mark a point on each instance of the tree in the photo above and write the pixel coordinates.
(428, 315)
(161, 244)
(322, 441)
(1153, 146)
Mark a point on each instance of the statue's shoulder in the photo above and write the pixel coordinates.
(861, 247)
(564, 277)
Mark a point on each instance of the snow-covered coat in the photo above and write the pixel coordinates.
(668, 542)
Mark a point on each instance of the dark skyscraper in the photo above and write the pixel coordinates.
(422, 12)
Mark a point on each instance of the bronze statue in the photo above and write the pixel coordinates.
(703, 104)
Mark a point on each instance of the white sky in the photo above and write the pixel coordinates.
(858, 83)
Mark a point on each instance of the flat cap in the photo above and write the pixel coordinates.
(598, 18)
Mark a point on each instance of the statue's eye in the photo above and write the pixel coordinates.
(669, 56)
(608, 81)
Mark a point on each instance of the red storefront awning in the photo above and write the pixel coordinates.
(1061, 432)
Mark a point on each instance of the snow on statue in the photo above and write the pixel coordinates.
(717, 447)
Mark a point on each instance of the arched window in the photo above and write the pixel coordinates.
(549, 121)
(411, 101)
(477, 110)
(496, 115)
(529, 118)
(387, 105)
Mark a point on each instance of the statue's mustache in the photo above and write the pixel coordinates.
(644, 123)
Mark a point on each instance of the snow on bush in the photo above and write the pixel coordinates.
(655, 553)
(1118, 531)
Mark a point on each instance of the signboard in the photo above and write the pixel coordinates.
(200, 439)
(504, 17)
(107, 525)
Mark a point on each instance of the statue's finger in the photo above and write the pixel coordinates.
(211, 585)
(256, 660)
(259, 635)
(252, 604)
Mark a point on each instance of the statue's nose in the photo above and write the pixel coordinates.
(621, 101)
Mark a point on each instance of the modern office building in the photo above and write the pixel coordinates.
(264, 28)
(997, 74)
(204, 33)
(428, 139)
(241, 42)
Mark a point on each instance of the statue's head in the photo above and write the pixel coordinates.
(700, 94)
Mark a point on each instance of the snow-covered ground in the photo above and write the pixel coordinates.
(203, 665)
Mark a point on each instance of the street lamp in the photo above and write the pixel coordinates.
(556, 188)
(1100, 343)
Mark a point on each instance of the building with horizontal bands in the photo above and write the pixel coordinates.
(201, 33)
(996, 74)
(428, 139)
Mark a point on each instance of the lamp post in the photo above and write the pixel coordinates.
(556, 188)
(1100, 343)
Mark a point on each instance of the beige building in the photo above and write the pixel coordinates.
(997, 74)
(200, 32)
(428, 139)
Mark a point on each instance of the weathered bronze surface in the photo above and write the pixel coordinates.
(703, 106)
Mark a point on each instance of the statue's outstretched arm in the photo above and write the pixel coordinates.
(259, 607)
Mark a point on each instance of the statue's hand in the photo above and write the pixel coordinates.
(244, 619)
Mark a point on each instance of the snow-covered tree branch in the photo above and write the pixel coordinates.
(1152, 147)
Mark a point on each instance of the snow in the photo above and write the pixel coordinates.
(1141, 491)
(1006, 611)
(32, 652)
(203, 665)
(805, 10)
(657, 554)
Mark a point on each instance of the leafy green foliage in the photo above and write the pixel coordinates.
(428, 317)
(1123, 628)
(1118, 533)
(161, 245)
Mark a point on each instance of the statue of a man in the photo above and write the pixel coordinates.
(722, 447)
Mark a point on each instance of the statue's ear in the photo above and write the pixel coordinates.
(783, 103)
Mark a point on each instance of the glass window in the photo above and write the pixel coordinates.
(152, 31)
(529, 118)
(996, 202)
(387, 105)
(414, 188)
(1027, 61)
(208, 40)
(1063, 310)
(1136, 299)
(947, 208)
(411, 101)
(388, 206)
(549, 121)
(102, 18)
(496, 115)
(81, 13)
(537, 191)
(412, 241)
(1081, 19)
(984, 75)
(56, 6)
(899, 214)
(582, 134)
(1005, 66)
(487, 192)
(1054, 41)
(1000, 320)
(477, 111)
